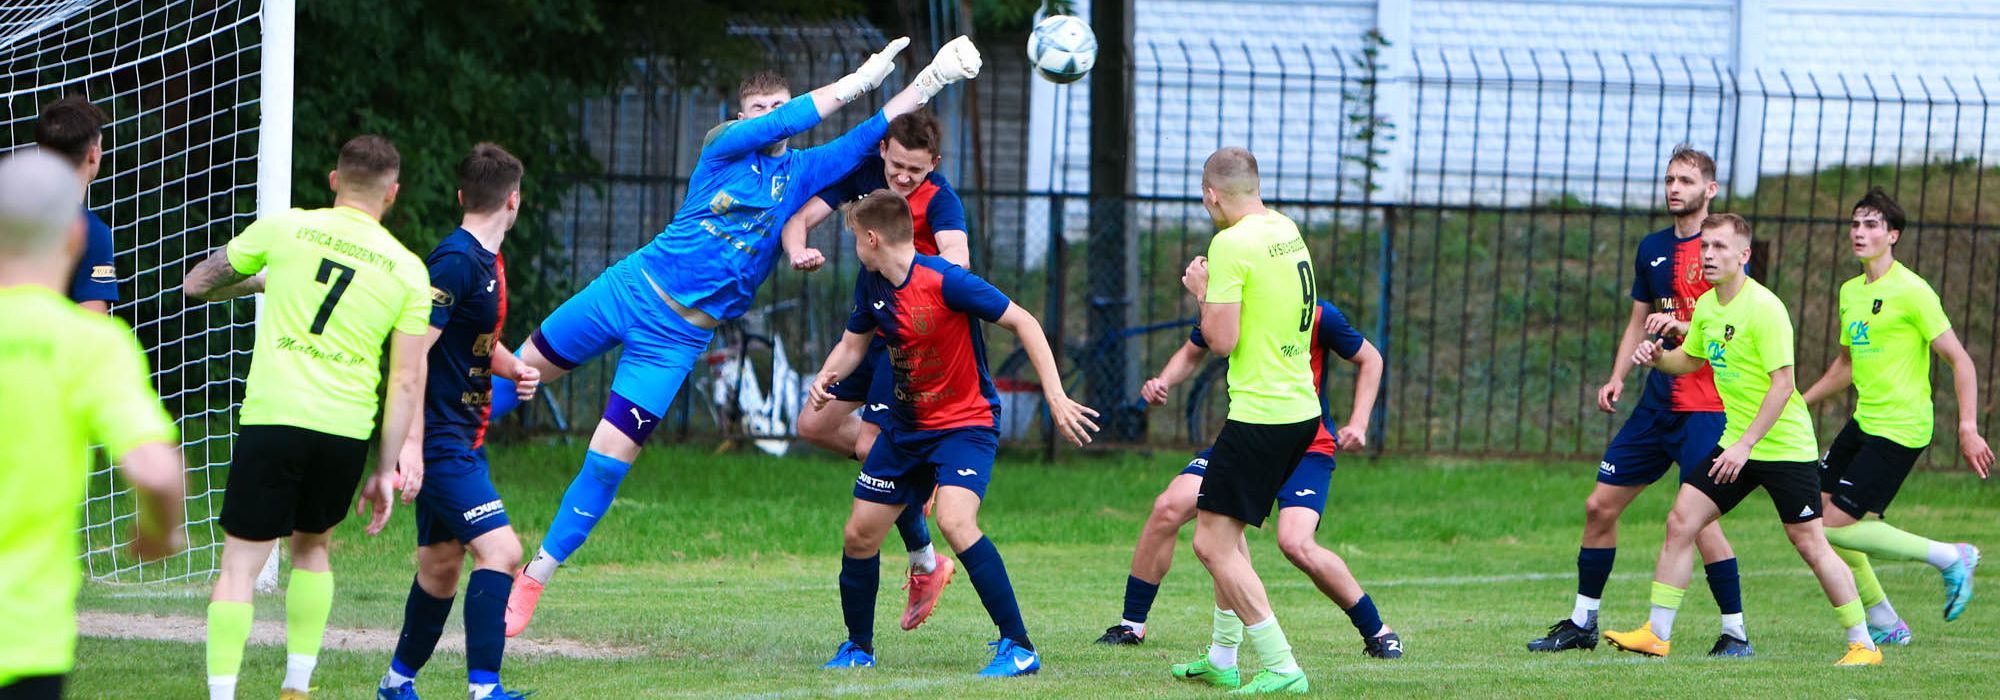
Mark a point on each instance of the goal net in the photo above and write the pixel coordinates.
(192, 122)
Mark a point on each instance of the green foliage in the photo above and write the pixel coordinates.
(437, 76)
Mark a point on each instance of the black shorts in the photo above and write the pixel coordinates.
(1863, 472)
(33, 688)
(1249, 464)
(284, 479)
(1793, 486)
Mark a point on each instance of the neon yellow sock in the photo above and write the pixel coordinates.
(1880, 539)
(1667, 596)
(1850, 614)
(1864, 576)
(1267, 639)
(308, 603)
(228, 630)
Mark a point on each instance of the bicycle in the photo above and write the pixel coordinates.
(1196, 414)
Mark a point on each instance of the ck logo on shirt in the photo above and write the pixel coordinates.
(1715, 355)
(1857, 332)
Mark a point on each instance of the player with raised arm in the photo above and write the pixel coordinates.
(1891, 321)
(944, 426)
(663, 302)
(1740, 330)
(73, 128)
(339, 286)
(1301, 501)
(459, 510)
(1257, 308)
(906, 164)
(74, 379)
(1677, 421)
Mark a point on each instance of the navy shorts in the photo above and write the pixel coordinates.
(458, 501)
(861, 385)
(1651, 439)
(905, 466)
(1306, 488)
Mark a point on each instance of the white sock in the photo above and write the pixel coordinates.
(221, 688)
(1221, 657)
(1663, 622)
(1858, 634)
(479, 691)
(1942, 555)
(299, 671)
(1138, 628)
(1585, 612)
(393, 679)
(1882, 616)
(1732, 625)
(543, 566)
(924, 560)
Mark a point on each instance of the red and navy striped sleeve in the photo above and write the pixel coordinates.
(964, 291)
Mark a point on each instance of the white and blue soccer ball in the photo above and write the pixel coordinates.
(1062, 48)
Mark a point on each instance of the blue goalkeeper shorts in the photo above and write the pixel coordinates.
(621, 307)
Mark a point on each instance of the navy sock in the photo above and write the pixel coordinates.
(859, 580)
(1593, 568)
(423, 624)
(916, 533)
(486, 624)
(1139, 598)
(1365, 619)
(1727, 587)
(996, 592)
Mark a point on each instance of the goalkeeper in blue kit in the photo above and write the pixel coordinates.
(664, 301)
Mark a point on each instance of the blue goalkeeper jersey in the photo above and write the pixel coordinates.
(724, 240)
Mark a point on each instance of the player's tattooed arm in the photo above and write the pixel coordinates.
(215, 279)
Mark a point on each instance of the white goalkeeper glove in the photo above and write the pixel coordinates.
(871, 73)
(958, 60)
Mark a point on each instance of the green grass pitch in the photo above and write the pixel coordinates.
(717, 573)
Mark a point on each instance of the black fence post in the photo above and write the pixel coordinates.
(1112, 268)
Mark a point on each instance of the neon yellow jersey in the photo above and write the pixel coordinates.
(1888, 326)
(1262, 264)
(1745, 341)
(336, 283)
(73, 379)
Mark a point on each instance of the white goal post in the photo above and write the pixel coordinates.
(199, 99)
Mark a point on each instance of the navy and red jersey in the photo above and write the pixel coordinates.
(1667, 275)
(1331, 332)
(934, 205)
(469, 304)
(937, 358)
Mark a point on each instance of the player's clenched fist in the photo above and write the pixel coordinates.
(1195, 278)
(1665, 324)
(526, 380)
(1607, 395)
(1154, 391)
(808, 260)
(958, 60)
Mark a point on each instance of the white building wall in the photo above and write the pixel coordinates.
(1553, 130)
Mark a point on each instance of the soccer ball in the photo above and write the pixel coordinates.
(1062, 48)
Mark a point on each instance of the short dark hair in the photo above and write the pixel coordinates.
(763, 82)
(369, 161)
(486, 176)
(918, 131)
(69, 127)
(884, 212)
(1232, 171)
(1686, 153)
(1733, 221)
(1880, 201)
